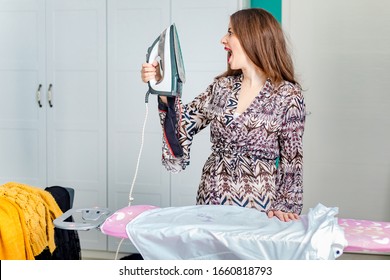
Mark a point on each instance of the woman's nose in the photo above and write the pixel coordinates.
(223, 40)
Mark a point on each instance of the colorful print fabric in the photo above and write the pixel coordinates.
(241, 169)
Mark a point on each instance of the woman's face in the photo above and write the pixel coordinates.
(236, 55)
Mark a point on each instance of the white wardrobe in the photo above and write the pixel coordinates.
(73, 105)
(53, 116)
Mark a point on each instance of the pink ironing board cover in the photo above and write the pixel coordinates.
(366, 236)
(115, 225)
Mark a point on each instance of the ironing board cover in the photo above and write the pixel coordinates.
(366, 236)
(115, 225)
(231, 232)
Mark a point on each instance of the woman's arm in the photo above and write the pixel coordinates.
(191, 119)
(289, 181)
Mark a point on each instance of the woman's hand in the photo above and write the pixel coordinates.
(150, 71)
(283, 216)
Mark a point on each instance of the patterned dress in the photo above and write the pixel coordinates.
(256, 157)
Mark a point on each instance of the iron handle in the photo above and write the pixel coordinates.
(38, 96)
(50, 95)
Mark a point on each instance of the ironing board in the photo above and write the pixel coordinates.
(362, 236)
(222, 232)
(365, 236)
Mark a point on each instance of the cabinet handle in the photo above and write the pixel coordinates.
(49, 95)
(38, 95)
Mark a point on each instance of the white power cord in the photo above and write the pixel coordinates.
(139, 155)
(136, 169)
(117, 250)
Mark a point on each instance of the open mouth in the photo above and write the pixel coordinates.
(229, 54)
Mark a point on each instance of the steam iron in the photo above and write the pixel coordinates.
(167, 52)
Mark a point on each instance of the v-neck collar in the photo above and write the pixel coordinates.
(232, 103)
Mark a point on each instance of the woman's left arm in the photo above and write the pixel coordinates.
(289, 181)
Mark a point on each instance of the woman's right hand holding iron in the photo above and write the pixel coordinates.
(150, 71)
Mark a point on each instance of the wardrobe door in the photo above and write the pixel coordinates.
(201, 25)
(75, 97)
(132, 28)
(22, 81)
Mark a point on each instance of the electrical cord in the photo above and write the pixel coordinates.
(137, 165)
(139, 154)
(117, 250)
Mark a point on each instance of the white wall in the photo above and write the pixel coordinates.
(342, 54)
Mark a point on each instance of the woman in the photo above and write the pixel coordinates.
(256, 114)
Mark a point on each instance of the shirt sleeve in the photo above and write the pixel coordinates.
(191, 119)
(289, 180)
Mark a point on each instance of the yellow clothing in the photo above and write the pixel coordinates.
(14, 244)
(36, 211)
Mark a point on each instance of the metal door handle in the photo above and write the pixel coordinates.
(38, 95)
(49, 95)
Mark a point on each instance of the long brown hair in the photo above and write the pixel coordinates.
(262, 39)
